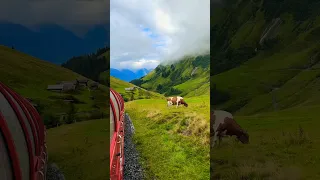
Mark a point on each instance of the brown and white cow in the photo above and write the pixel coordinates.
(176, 100)
(223, 124)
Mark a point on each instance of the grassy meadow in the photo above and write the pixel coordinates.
(30, 77)
(271, 87)
(81, 150)
(173, 142)
(140, 93)
(283, 145)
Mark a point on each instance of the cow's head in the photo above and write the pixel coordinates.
(244, 137)
(184, 103)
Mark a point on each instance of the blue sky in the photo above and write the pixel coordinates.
(145, 33)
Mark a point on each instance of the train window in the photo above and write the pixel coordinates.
(112, 124)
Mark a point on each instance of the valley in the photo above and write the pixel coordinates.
(266, 72)
(169, 139)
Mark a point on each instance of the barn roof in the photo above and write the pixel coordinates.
(130, 88)
(67, 82)
(68, 86)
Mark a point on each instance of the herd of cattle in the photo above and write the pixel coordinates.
(222, 123)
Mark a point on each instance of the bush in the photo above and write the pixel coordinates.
(50, 120)
(125, 99)
(71, 114)
(96, 115)
(137, 82)
(172, 91)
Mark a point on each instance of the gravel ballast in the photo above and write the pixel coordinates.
(54, 173)
(132, 168)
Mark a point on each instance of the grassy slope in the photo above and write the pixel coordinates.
(278, 149)
(120, 86)
(180, 77)
(283, 145)
(29, 77)
(81, 150)
(173, 143)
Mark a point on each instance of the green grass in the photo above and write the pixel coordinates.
(81, 150)
(173, 142)
(195, 87)
(180, 77)
(284, 140)
(119, 86)
(30, 77)
(283, 145)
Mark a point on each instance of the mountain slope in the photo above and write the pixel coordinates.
(281, 50)
(266, 70)
(91, 65)
(140, 93)
(188, 77)
(30, 77)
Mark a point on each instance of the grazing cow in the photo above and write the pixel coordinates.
(223, 124)
(177, 100)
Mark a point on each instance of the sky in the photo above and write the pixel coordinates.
(75, 15)
(145, 33)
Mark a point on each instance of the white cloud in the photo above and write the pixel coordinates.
(175, 28)
(137, 64)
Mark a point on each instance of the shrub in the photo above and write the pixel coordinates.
(50, 120)
(71, 114)
(172, 91)
(96, 115)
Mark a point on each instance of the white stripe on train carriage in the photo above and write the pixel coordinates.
(18, 136)
(113, 100)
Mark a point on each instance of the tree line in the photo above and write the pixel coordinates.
(90, 65)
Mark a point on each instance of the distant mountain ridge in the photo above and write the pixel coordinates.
(52, 42)
(91, 65)
(266, 55)
(129, 75)
(188, 77)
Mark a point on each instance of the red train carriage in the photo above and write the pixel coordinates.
(23, 151)
(116, 135)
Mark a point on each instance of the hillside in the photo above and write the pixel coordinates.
(266, 70)
(187, 77)
(140, 93)
(30, 77)
(91, 65)
(170, 139)
(81, 155)
(271, 60)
